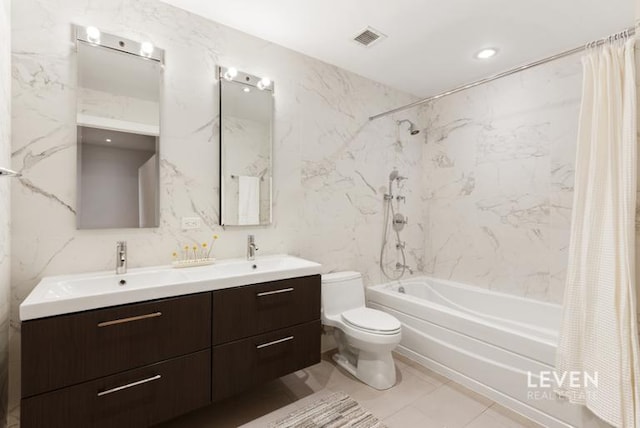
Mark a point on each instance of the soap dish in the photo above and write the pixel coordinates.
(193, 262)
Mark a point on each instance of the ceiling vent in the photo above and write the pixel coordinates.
(368, 37)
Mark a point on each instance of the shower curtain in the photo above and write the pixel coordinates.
(599, 334)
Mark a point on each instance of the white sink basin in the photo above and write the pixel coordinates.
(262, 268)
(73, 293)
(104, 284)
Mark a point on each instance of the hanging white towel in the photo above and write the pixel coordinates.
(599, 334)
(249, 200)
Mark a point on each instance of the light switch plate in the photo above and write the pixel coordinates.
(190, 223)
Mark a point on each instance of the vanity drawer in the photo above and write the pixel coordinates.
(137, 398)
(69, 349)
(246, 311)
(240, 365)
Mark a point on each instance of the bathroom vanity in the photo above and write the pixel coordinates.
(218, 332)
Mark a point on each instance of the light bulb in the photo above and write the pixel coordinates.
(146, 49)
(264, 83)
(486, 53)
(93, 35)
(246, 89)
(230, 74)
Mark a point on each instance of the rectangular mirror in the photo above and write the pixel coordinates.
(246, 127)
(118, 123)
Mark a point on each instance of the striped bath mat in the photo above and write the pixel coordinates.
(335, 411)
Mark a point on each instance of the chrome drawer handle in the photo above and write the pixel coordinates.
(275, 342)
(130, 319)
(269, 293)
(129, 385)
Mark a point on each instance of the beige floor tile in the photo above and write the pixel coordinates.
(236, 411)
(509, 418)
(452, 405)
(472, 394)
(343, 381)
(410, 417)
(489, 420)
(422, 372)
(385, 403)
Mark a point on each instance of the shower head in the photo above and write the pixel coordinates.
(412, 126)
(396, 176)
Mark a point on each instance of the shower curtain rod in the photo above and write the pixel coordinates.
(625, 33)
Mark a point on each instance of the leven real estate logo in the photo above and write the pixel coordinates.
(542, 384)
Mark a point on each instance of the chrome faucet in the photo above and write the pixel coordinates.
(401, 266)
(121, 258)
(251, 247)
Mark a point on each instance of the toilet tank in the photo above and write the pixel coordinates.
(341, 291)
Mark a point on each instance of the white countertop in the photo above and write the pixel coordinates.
(57, 295)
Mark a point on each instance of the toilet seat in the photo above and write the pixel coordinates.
(372, 321)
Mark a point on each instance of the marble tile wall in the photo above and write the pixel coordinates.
(5, 210)
(330, 163)
(498, 181)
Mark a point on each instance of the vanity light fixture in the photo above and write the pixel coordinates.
(486, 53)
(230, 74)
(146, 49)
(93, 35)
(264, 83)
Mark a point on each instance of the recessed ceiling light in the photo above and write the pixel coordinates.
(246, 89)
(108, 140)
(487, 53)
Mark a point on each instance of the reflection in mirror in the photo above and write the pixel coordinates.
(246, 104)
(118, 118)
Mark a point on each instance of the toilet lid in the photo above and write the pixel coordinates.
(371, 320)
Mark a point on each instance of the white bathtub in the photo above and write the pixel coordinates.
(486, 340)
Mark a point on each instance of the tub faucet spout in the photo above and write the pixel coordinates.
(401, 266)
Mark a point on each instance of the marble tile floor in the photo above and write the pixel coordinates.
(420, 399)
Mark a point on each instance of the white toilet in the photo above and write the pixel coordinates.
(365, 336)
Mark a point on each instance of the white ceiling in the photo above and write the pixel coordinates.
(431, 43)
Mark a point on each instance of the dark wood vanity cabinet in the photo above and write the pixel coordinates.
(151, 394)
(263, 332)
(140, 364)
(68, 349)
